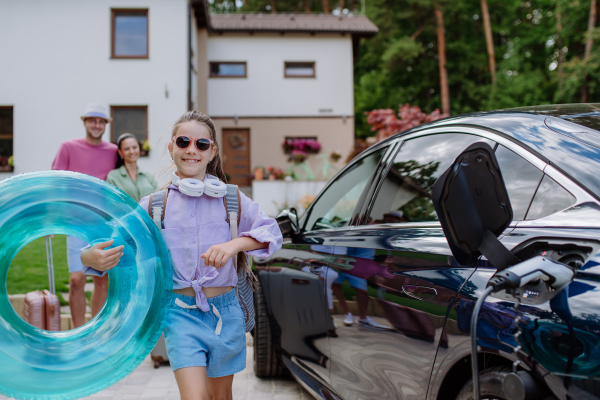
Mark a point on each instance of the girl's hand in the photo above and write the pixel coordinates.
(218, 254)
(102, 260)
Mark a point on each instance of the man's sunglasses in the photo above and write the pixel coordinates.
(183, 142)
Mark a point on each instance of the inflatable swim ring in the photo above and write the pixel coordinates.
(66, 365)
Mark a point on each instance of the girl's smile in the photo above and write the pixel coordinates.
(190, 162)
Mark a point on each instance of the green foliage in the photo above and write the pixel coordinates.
(399, 65)
(392, 69)
(28, 270)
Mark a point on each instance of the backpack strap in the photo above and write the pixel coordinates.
(232, 202)
(157, 206)
(232, 210)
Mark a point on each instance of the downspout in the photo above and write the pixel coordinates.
(189, 55)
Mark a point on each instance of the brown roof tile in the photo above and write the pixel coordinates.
(353, 24)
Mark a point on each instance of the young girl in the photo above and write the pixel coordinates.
(205, 331)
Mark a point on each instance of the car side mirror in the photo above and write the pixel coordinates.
(473, 207)
(288, 222)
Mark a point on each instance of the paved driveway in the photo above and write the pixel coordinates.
(152, 384)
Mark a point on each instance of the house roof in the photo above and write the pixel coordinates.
(358, 25)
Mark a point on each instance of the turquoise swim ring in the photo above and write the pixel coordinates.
(37, 364)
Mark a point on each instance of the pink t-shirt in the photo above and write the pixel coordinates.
(78, 155)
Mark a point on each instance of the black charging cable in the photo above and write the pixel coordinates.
(474, 356)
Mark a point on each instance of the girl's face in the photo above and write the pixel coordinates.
(190, 162)
(129, 151)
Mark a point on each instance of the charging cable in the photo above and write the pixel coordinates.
(534, 281)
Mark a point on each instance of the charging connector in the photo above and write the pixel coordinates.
(533, 281)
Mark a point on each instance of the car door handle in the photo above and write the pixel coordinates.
(315, 269)
(420, 292)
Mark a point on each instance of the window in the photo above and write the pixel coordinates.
(334, 208)
(549, 198)
(129, 119)
(405, 194)
(299, 69)
(129, 33)
(521, 179)
(6, 139)
(227, 69)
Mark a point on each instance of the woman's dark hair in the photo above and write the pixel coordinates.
(214, 167)
(120, 161)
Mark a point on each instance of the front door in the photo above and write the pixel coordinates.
(236, 156)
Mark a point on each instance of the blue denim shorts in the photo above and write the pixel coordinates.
(356, 283)
(74, 246)
(191, 339)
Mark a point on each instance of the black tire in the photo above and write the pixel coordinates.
(491, 383)
(267, 362)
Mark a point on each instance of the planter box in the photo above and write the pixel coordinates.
(274, 196)
(6, 168)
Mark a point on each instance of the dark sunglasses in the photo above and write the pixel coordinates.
(183, 142)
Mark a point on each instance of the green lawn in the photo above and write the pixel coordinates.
(28, 271)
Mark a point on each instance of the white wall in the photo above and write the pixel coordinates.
(55, 59)
(265, 92)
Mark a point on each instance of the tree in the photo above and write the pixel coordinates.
(588, 50)
(489, 40)
(326, 8)
(385, 123)
(441, 39)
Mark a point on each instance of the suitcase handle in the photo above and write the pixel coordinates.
(50, 262)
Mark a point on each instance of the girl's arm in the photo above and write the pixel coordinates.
(259, 236)
(99, 259)
(218, 254)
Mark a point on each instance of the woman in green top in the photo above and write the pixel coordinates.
(126, 175)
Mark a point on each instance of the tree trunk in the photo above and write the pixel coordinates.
(274, 6)
(585, 92)
(326, 8)
(307, 6)
(441, 38)
(489, 40)
(559, 41)
(352, 5)
(342, 4)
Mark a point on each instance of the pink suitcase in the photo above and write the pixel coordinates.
(42, 309)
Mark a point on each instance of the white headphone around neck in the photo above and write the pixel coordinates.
(196, 188)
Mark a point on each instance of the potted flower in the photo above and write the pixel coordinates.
(259, 173)
(145, 149)
(297, 156)
(7, 164)
(306, 145)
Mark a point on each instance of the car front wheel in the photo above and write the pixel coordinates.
(491, 383)
(267, 363)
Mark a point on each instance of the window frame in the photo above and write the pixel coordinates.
(131, 11)
(112, 125)
(11, 169)
(314, 68)
(361, 200)
(244, 63)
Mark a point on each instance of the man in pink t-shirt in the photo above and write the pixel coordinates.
(91, 156)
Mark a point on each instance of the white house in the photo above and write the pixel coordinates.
(261, 77)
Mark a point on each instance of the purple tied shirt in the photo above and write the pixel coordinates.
(194, 224)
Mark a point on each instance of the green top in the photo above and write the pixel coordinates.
(143, 186)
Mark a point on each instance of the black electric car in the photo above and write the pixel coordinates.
(368, 300)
